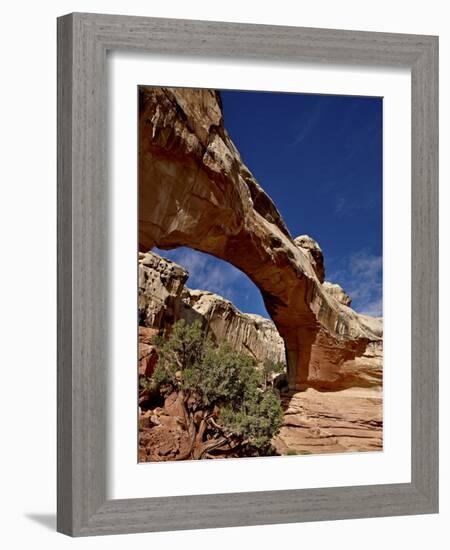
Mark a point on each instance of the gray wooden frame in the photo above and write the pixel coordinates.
(83, 40)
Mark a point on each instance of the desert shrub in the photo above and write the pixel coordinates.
(228, 407)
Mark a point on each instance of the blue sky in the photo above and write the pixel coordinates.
(319, 157)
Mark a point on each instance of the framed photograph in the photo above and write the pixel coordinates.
(247, 274)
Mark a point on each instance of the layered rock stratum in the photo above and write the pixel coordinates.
(195, 191)
(164, 299)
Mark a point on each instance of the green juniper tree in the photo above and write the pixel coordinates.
(270, 370)
(228, 408)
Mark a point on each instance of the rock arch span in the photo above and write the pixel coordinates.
(195, 191)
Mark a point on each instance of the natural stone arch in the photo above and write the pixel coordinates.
(195, 191)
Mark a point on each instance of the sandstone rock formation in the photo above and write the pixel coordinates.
(164, 299)
(333, 422)
(161, 432)
(161, 283)
(337, 292)
(348, 417)
(195, 191)
(314, 253)
(247, 333)
(148, 356)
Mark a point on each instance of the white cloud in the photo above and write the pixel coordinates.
(206, 272)
(340, 205)
(367, 265)
(375, 308)
(361, 278)
(189, 259)
(308, 125)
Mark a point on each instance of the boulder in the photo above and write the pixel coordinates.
(337, 292)
(314, 253)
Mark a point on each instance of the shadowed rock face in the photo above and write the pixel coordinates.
(195, 191)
